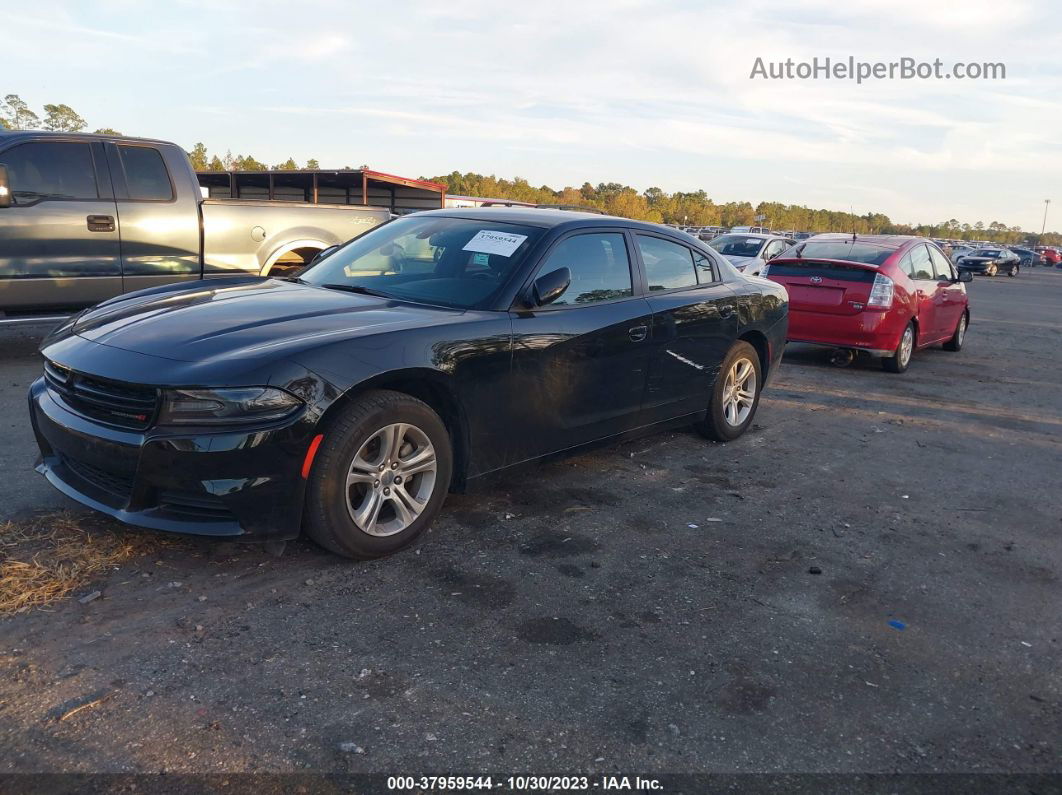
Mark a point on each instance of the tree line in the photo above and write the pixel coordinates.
(653, 204)
(698, 209)
(16, 114)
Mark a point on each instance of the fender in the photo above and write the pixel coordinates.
(287, 248)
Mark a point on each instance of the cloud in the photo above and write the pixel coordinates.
(652, 91)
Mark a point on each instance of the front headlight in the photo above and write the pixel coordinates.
(226, 406)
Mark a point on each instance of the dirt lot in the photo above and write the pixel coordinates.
(869, 581)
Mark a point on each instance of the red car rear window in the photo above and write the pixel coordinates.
(844, 250)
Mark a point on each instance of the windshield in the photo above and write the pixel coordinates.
(737, 245)
(428, 259)
(986, 252)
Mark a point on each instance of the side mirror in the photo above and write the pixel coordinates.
(323, 253)
(548, 288)
(5, 188)
(965, 276)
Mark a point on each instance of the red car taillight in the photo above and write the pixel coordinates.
(881, 293)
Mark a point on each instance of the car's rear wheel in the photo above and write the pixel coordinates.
(901, 358)
(380, 476)
(959, 337)
(1013, 271)
(735, 396)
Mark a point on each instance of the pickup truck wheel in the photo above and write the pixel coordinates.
(735, 395)
(380, 476)
(901, 358)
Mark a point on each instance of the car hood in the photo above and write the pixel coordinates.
(740, 262)
(242, 319)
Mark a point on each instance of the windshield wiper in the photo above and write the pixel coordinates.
(357, 288)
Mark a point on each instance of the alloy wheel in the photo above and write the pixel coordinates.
(391, 479)
(960, 335)
(906, 346)
(739, 392)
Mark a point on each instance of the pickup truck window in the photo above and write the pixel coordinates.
(145, 174)
(432, 260)
(39, 171)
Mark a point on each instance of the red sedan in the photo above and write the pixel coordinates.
(887, 295)
(1050, 256)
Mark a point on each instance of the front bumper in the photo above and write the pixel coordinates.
(217, 482)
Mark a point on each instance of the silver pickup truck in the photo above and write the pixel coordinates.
(86, 217)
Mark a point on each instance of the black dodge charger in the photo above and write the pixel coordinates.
(423, 354)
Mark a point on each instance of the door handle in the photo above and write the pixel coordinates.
(638, 333)
(100, 223)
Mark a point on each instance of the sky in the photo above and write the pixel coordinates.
(641, 93)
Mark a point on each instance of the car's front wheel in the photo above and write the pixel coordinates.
(735, 396)
(1013, 271)
(380, 476)
(990, 270)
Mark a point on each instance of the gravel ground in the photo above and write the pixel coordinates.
(867, 582)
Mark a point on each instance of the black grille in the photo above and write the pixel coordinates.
(204, 507)
(117, 485)
(113, 402)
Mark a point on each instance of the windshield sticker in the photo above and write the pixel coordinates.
(752, 241)
(488, 241)
(481, 259)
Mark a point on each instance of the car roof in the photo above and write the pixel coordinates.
(14, 135)
(885, 241)
(760, 235)
(548, 218)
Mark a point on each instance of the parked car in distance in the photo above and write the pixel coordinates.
(88, 217)
(749, 252)
(348, 400)
(803, 235)
(1027, 258)
(1050, 256)
(885, 295)
(990, 261)
(711, 232)
(958, 250)
(744, 230)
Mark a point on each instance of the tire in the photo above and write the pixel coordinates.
(959, 337)
(341, 483)
(901, 357)
(718, 424)
(990, 270)
(1013, 271)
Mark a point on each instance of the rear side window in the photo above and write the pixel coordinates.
(145, 173)
(920, 263)
(907, 266)
(705, 271)
(668, 266)
(600, 266)
(39, 171)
